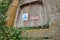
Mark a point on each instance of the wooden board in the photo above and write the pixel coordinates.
(34, 10)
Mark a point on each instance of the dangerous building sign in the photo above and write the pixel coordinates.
(25, 16)
(35, 18)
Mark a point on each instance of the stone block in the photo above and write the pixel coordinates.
(37, 33)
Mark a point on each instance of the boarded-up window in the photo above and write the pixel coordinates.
(32, 15)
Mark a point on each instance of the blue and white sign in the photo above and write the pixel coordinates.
(25, 16)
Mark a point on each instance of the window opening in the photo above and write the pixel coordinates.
(31, 17)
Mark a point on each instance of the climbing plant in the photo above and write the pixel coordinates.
(4, 4)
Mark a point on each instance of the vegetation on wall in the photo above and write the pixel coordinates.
(4, 4)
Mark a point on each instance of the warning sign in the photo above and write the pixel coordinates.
(25, 16)
(35, 18)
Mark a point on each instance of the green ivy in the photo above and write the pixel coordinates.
(4, 4)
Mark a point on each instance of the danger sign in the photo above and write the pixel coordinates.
(25, 16)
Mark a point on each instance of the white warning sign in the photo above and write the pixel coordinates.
(25, 16)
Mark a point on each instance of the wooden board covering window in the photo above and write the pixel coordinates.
(32, 10)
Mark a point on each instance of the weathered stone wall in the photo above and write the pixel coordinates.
(55, 18)
(52, 8)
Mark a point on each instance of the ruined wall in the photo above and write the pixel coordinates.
(52, 8)
(55, 20)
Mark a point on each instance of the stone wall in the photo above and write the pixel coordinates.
(55, 19)
(52, 8)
